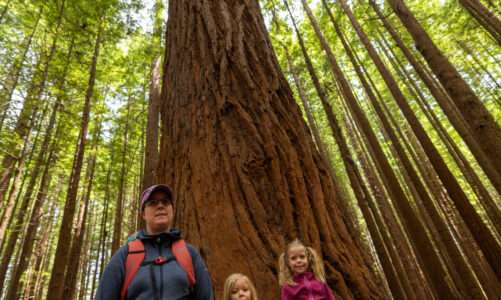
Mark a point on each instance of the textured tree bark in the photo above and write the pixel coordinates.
(239, 156)
(62, 251)
(342, 195)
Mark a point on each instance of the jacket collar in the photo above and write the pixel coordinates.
(306, 275)
(171, 235)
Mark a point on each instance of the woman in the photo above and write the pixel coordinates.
(156, 263)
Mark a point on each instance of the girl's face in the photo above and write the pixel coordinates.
(297, 260)
(241, 290)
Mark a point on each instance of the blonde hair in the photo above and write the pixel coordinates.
(230, 283)
(315, 264)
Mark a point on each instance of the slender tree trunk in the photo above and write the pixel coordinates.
(32, 225)
(469, 286)
(16, 224)
(45, 251)
(360, 190)
(62, 251)
(30, 103)
(12, 80)
(4, 11)
(392, 265)
(401, 253)
(37, 265)
(335, 128)
(235, 143)
(86, 275)
(471, 108)
(457, 264)
(117, 228)
(468, 51)
(34, 176)
(484, 237)
(484, 16)
(447, 106)
(482, 194)
(428, 174)
(103, 253)
(151, 147)
(430, 259)
(70, 281)
(12, 199)
(378, 151)
(347, 214)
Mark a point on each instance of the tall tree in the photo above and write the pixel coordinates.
(62, 251)
(234, 143)
(483, 235)
(29, 105)
(446, 104)
(12, 80)
(481, 122)
(70, 280)
(485, 17)
(120, 202)
(151, 150)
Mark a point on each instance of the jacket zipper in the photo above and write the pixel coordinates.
(161, 273)
(308, 286)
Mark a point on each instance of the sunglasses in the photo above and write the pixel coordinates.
(155, 202)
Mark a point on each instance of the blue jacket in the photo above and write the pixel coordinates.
(163, 282)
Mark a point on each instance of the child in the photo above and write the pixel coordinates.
(302, 274)
(239, 287)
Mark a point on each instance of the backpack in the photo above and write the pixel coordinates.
(136, 254)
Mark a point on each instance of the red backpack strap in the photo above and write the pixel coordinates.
(135, 257)
(183, 257)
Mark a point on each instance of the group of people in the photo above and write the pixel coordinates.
(156, 263)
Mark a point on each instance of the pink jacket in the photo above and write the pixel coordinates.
(307, 288)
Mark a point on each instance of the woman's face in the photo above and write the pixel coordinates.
(158, 213)
(241, 290)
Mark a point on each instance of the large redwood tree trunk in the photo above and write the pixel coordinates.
(246, 175)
